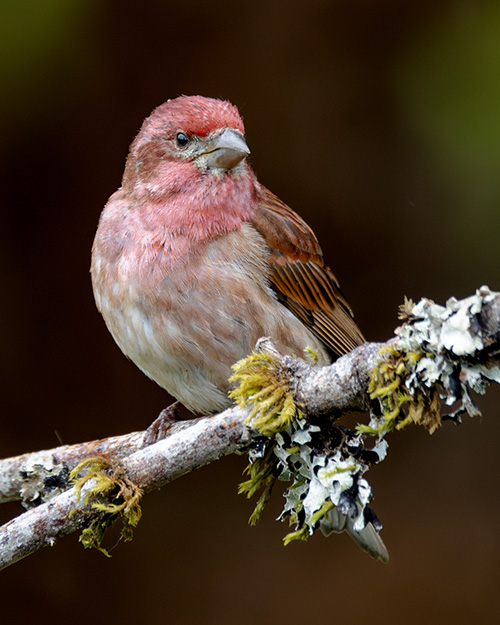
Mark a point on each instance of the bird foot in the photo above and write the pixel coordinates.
(162, 424)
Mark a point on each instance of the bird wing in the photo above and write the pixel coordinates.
(300, 278)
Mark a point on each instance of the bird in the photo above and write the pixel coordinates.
(194, 260)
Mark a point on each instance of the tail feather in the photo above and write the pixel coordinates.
(367, 538)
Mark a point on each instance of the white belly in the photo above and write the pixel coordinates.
(185, 327)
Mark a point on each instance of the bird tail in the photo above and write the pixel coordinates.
(367, 538)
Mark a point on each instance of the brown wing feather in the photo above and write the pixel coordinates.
(302, 281)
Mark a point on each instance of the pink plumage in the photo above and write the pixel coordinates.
(201, 115)
(194, 260)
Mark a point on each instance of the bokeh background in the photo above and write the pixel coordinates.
(379, 122)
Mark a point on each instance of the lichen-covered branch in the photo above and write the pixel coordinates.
(33, 476)
(440, 354)
(342, 387)
(184, 450)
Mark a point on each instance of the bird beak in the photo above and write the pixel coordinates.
(227, 149)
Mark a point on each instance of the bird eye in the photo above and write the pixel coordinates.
(181, 140)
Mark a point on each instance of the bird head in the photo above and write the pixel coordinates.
(194, 132)
(189, 162)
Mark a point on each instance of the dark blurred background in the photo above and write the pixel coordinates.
(378, 121)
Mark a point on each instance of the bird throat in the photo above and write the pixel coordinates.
(217, 204)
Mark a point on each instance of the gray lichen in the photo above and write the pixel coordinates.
(439, 355)
(43, 477)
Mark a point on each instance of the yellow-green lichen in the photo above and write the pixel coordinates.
(262, 476)
(113, 495)
(399, 406)
(303, 531)
(301, 534)
(313, 356)
(262, 383)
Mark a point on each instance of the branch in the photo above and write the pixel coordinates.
(185, 449)
(33, 477)
(341, 387)
(439, 352)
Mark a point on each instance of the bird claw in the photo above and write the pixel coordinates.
(160, 427)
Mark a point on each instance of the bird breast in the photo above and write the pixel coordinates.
(185, 313)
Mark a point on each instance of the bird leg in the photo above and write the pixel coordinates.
(162, 424)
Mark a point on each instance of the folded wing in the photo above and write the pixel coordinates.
(300, 278)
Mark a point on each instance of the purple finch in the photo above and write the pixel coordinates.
(194, 260)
